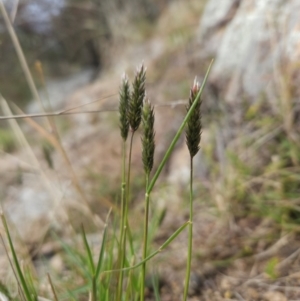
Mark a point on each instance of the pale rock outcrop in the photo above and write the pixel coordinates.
(255, 43)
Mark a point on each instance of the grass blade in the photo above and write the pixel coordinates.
(180, 130)
(100, 261)
(101, 254)
(88, 251)
(16, 262)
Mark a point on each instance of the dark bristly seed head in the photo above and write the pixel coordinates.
(148, 137)
(194, 126)
(137, 98)
(124, 95)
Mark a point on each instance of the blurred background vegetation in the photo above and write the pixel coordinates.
(68, 36)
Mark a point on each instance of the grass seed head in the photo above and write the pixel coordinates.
(124, 95)
(137, 98)
(148, 142)
(194, 125)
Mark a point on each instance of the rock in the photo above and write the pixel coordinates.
(59, 89)
(179, 170)
(57, 263)
(254, 43)
(28, 208)
(196, 284)
(274, 296)
(3, 297)
(252, 293)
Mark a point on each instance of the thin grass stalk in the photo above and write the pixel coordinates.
(21, 293)
(20, 54)
(123, 190)
(148, 143)
(56, 142)
(88, 251)
(181, 128)
(21, 277)
(121, 275)
(123, 212)
(124, 221)
(13, 269)
(24, 143)
(69, 111)
(146, 220)
(128, 177)
(190, 236)
(75, 180)
(40, 71)
(127, 197)
(50, 119)
(52, 287)
(193, 138)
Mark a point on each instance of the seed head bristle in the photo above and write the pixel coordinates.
(194, 125)
(137, 98)
(124, 95)
(148, 142)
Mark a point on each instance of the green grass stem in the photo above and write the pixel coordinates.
(123, 220)
(145, 245)
(128, 176)
(190, 237)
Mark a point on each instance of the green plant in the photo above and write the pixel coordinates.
(121, 275)
(148, 157)
(101, 276)
(193, 137)
(26, 288)
(270, 268)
